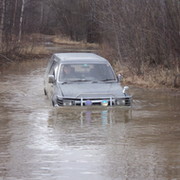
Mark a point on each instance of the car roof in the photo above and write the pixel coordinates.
(79, 57)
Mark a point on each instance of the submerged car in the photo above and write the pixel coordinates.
(83, 79)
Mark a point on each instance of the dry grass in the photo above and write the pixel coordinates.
(152, 77)
(34, 49)
(66, 41)
(34, 46)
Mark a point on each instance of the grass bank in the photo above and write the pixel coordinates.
(34, 47)
(151, 76)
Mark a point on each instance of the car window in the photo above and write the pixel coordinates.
(49, 65)
(86, 71)
(53, 69)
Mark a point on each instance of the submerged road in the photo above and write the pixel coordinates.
(39, 142)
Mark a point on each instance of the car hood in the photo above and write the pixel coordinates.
(91, 90)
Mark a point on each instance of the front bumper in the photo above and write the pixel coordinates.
(107, 101)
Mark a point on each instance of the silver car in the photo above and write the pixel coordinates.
(83, 79)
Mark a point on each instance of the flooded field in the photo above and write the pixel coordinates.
(39, 142)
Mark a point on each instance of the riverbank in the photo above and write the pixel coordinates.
(39, 46)
(149, 76)
(153, 78)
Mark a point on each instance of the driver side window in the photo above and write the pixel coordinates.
(53, 69)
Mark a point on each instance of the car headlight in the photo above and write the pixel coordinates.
(104, 103)
(68, 103)
(120, 102)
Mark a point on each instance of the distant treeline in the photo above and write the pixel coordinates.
(138, 32)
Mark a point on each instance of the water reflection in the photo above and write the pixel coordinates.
(84, 137)
(106, 117)
(123, 147)
(90, 116)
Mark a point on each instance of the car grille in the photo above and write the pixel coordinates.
(94, 102)
(127, 101)
(60, 102)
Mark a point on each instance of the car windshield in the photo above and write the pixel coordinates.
(86, 72)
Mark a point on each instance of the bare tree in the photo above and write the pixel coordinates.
(141, 31)
(73, 18)
(21, 20)
(138, 31)
(2, 20)
(14, 16)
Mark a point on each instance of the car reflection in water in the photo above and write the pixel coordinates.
(91, 116)
(106, 117)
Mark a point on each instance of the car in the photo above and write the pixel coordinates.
(83, 79)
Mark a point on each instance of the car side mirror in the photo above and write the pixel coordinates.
(119, 77)
(125, 88)
(51, 79)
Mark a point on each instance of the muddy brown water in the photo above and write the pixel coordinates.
(39, 142)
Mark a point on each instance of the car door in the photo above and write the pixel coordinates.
(50, 86)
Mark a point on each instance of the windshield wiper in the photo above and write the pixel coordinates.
(86, 80)
(107, 80)
(81, 80)
(78, 80)
(65, 82)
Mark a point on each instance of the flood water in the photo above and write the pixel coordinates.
(39, 142)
